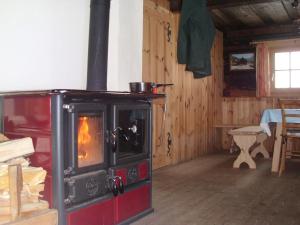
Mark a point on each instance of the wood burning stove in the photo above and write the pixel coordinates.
(95, 146)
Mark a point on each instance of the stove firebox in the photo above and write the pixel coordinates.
(95, 146)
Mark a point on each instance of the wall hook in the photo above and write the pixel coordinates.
(169, 32)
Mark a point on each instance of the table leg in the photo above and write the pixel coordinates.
(244, 142)
(277, 148)
(261, 148)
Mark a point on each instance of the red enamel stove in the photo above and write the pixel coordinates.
(95, 146)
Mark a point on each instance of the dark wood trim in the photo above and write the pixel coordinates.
(175, 5)
(289, 30)
(217, 4)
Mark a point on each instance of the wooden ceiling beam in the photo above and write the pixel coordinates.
(221, 4)
(268, 31)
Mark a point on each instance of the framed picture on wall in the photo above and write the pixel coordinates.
(242, 61)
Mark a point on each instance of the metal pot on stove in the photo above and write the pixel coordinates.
(145, 87)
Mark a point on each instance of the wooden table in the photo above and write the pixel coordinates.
(274, 115)
(245, 138)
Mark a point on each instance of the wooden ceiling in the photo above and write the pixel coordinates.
(255, 19)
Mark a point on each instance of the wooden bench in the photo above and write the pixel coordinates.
(231, 126)
(245, 138)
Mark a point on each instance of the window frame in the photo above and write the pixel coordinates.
(280, 91)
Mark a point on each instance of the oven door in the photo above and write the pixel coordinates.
(86, 145)
(131, 128)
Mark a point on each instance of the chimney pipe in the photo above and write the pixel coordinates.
(98, 45)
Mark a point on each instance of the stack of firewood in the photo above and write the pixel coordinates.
(20, 184)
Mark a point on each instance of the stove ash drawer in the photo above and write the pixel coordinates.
(84, 187)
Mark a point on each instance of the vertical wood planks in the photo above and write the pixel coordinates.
(15, 188)
(193, 105)
(243, 111)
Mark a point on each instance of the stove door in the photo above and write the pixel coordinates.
(131, 127)
(86, 141)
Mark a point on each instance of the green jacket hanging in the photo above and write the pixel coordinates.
(195, 38)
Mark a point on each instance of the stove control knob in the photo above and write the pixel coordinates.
(133, 129)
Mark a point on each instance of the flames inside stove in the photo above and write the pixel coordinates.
(90, 140)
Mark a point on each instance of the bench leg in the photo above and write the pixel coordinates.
(244, 142)
(261, 148)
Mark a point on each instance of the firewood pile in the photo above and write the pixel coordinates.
(20, 184)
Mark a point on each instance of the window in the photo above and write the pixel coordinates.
(285, 70)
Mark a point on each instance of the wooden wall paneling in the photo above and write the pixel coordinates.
(218, 65)
(210, 120)
(179, 112)
(167, 69)
(189, 120)
(158, 55)
(175, 99)
(160, 52)
(191, 103)
(244, 111)
(149, 71)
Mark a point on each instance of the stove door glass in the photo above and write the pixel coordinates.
(90, 140)
(132, 132)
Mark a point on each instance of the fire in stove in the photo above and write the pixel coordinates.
(84, 137)
(90, 141)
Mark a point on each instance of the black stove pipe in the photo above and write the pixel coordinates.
(98, 45)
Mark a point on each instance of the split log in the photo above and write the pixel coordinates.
(15, 148)
(20, 184)
(25, 199)
(26, 208)
(3, 138)
(4, 219)
(46, 217)
(32, 176)
(21, 160)
(15, 188)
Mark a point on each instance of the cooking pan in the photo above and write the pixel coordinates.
(141, 87)
(145, 87)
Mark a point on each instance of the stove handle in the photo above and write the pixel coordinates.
(113, 138)
(113, 186)
(116, 185)
(113, 142)
(121, 185)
